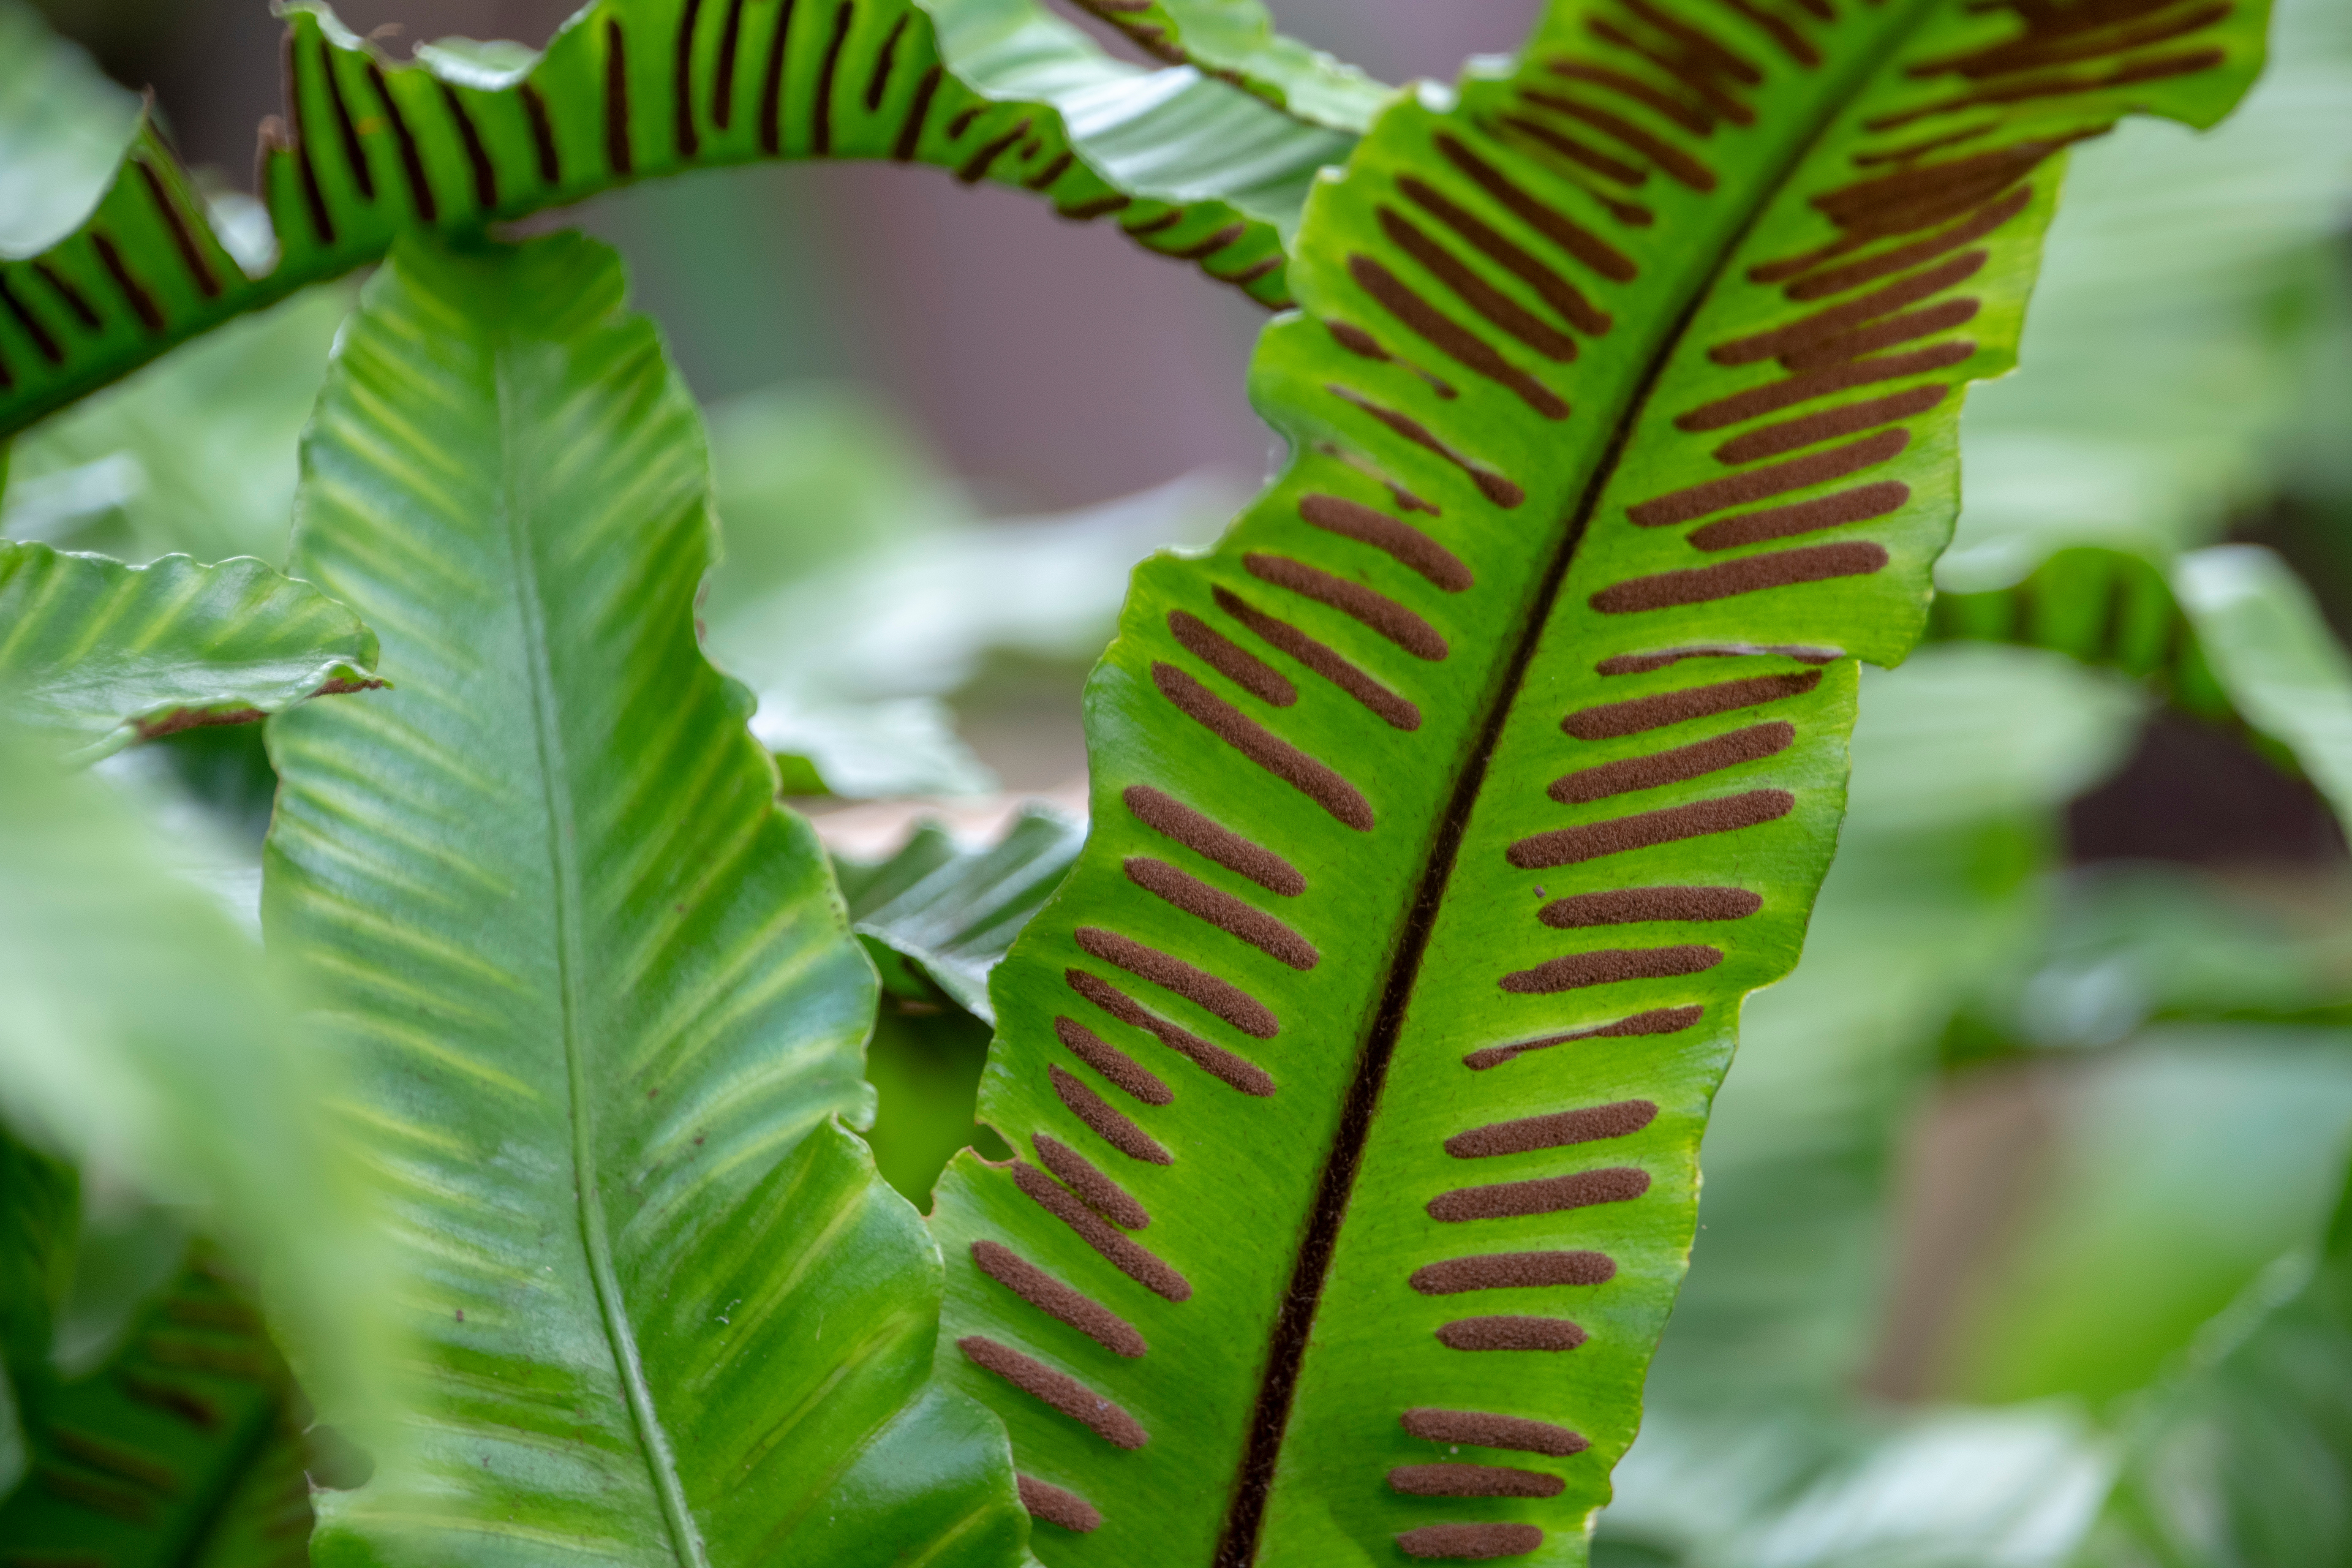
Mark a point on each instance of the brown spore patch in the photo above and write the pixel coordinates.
(1675, 765)
(1057, 1389)
(1196, 985)
(1328, 662)
(1139, 1264)
(1212, 840)
(1231, 661)
(1106, 1122)
(1470, 1542)
(1610, 966)
(1476, 1428)
(1861, 504)
(1057, 1300)
(1656, 1021)
(1450, 336)
(1215, 1061)
(1545, 1195)
(1611, 721)
(1554, 289)
(1512, 1271)
(1761, 484)
(1635, 906)
(1809, 332)
(1510, 1333)
(1472, 1480)
(1223, 911)
(1057, 1505)
(1794, 435)
(1099, 1193)
(1660, 658)
(1121, 1069)
(1496, 488)
(1407, 544)
(1756, 573)
(1481, 296)
(1375, 610)
(1269, 750)
(1809, 386)
(1557, 1131)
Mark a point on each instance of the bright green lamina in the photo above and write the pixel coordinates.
(1443, 815)
(594, 1004)
(97, 653)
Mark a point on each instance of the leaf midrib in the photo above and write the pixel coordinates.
(563, 850)
(1254, 1478)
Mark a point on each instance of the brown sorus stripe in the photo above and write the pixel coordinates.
(1221, 909)
(1782, 32)
(1911, 150)
(1057, 1506)
(1676, 766)
(1231, 661)
(821, 109)
(1277, 756)
(1198, 987)
(1082, 1176)
(2185, 63)
(478, 156)
(1059, 165)
(1214, 1060)
(1104, 1121)
(116, 1458)
(910, 129)
(1171, 818)
(1634, 906)
(1821, 324)
(1101, 206)
(1688, 69)
(1640, 92)
(1202, 249)
(1123, 1071)
(1378, 611)
(689, 141)
(1476, 292)
(1656, 1021)
(962, 122)
(1450, 336)
(1166, 220)
(542, 133)
(1408, 544)
(1557, 1131)
(1644, 663)
(1258, 269)
(411, 160)
(31, 324)
(1574, 845)
(354, 155)
(1056, 1300)
(1544, 218)
(1807, 385)
(1058, 1389)
(1903, 257)
(1554, 289)
(1476, 1541)
(1759, 484)
(616, 98)
(1510, 1333)
(1130, 1259)
(878, 82)
(1472, 1480)
(183, 239)
(1512, 1271)
(772, 83)
(1323, 659)
(1857, 505)
(722, 85)
(1545, 1194)
(1710, 51)
(1477, 1429)
(314, 195)
(1613, 719)
(122, 1502)
(1774, 439)
(69, 294)
(1906, 326)
(134, 293)
(1610, 966)
(1704, 585)
(1677, 164)
(1574, 151)
(1495, 487)
(175, 1399)
(2107, 36)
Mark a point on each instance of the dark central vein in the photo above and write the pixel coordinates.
(1254, 1482)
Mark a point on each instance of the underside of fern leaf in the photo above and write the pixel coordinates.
(1445, 812)
(989, 89)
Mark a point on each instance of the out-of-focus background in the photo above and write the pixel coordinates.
(2015, 1189)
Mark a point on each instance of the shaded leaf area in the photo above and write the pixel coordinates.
(1237, 40)
(178, 1450)
(96, 654)
(62, 127)
(367, 149)
(935, 917)
(593, 1002)
(1441, 815)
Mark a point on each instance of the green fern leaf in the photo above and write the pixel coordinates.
(1445, 813)
(1235, 40)
(100, 654)
(989, 89)
(597, 1008)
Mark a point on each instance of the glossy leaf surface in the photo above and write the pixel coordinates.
(593, 1000)
(99, 654)
(1236, 40)
(1444, 814)
(367, 149)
